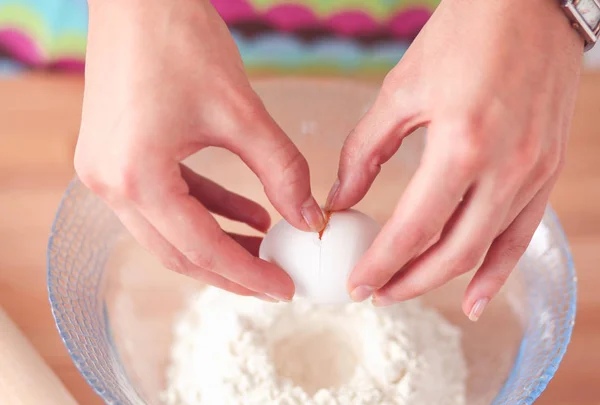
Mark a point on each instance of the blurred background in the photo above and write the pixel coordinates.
(42, 52)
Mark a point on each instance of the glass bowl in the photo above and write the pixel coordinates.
(115, 306)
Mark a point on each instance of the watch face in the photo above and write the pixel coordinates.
(585, 17)
(590, 11)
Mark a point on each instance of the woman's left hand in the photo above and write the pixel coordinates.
(495, 82)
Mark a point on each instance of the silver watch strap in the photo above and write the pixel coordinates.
(585, 18)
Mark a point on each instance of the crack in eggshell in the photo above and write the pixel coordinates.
(327, 219)
(320, 263)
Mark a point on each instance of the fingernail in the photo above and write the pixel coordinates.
(313, 215)
(478, 308)
(383, 301)
(265, 297)
(332, 194)
(278, 297)
(361, 293)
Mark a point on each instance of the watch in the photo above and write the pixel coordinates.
(585, 18)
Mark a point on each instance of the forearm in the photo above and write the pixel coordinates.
(151, 15)
(164, 31)
(533, 22)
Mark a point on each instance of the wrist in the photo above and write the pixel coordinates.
(584, 16)
(139, 8)
(545, 21)
(555, 23)
(148, 18)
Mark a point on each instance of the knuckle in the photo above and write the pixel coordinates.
(511, 254)
(126, 182)
(474, 124)
(351, 150)
(204, 259)
(411, 289)
(119, 178)
(88, 174)
(471, 126)
(241, 106)
(548, 165)
(466, 260)
(528, 154)
(469, 156)
(394, 88)
(236, 110)
(358, 155)
(292, 166)
(177, 263)
(415, 239)
(472, 146)
(497, 278)
(515, 248)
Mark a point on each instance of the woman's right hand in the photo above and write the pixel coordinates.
(163, 80)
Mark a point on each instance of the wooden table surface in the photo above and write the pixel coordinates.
(39, 121)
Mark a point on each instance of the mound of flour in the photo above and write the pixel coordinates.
(231, 350)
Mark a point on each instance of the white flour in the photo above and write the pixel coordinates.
(231, 350)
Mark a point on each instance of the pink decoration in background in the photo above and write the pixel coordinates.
(404, 24)
(409, 22)
(69, 65)
(20, 47)
(352, 23)
(234, 10)
(289, 17)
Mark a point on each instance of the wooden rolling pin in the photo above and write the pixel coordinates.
(25, 379)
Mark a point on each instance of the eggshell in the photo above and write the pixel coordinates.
(320, 267)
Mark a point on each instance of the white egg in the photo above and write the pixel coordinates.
(320, 267)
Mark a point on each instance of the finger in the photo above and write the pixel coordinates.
(462, 247)
(503, 256)
(429, 201)
(284, 173)
(222, 202)
(172, 259)
(375, 139)
(250, 243)
(189, 227)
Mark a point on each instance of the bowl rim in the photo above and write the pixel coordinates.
(535, 389)
(567, 325)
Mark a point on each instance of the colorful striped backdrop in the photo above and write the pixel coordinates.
(52, 33)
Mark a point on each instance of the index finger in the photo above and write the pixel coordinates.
(429, 201)
(282, 170)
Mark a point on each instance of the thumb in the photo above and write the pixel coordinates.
(283, 171)
(375, 139)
